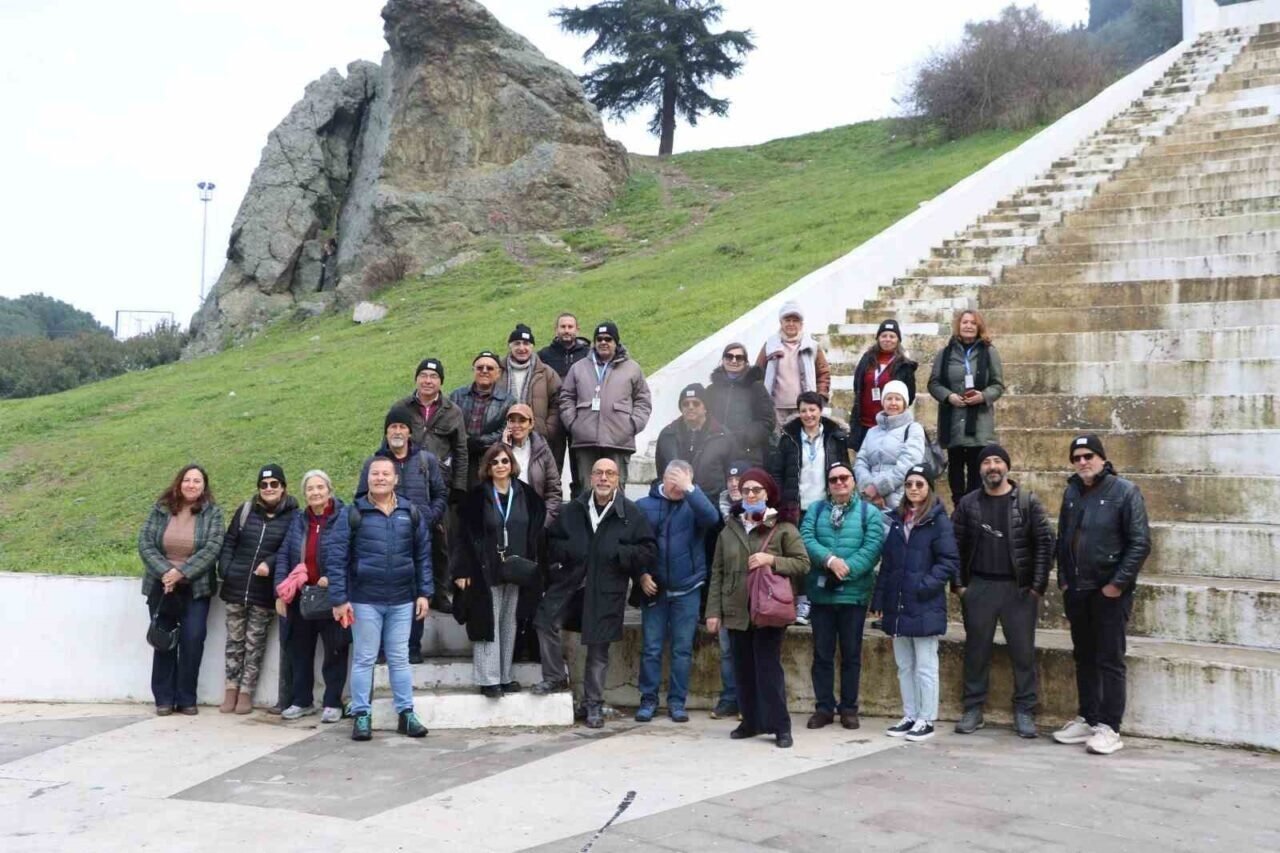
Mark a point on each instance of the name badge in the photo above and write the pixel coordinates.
(875, 394)
(595, 404)
(968, 382)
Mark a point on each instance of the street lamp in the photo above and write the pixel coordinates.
(206, 195)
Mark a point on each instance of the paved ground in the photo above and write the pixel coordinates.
(105, 778)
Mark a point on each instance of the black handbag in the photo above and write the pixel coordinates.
(314, 602)
(512, 568)
(162, 639)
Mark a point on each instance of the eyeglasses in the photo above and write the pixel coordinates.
(1083, 457)
(839, 478)
(502, 460)
(608, 475)
(753, 490)
(485, 368)
(269, 484)
(733, 356)
(917, 484)
(603, 339)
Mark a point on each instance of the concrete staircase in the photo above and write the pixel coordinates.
(1134, 290)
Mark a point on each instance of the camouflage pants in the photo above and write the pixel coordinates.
(246, 644)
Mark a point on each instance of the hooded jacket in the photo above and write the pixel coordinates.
(388, 561)
(910, 590)
(708, 450)
(727, 598)
(680, 528)
(544, 475)
(745, 410)
(889, 450)
(541, 393)
(243, 548)
(815, 373)
(625, 403)
(1103, 533)
(787, 461)
(419, 480)
(1030, 538)
(560, 358)
(445, 435)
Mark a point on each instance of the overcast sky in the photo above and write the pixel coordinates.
(114, 111)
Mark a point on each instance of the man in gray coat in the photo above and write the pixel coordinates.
(604, 404)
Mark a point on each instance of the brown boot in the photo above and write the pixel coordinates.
(244, 704)
(229, 700)
(849, 719)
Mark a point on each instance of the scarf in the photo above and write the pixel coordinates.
(981, 378)
(597, 516)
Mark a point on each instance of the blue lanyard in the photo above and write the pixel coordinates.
(505, 513)
(967, 353)
(812, 445)
(601, 372)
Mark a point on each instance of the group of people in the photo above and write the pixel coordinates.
(460, 510)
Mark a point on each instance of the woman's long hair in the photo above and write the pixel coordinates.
(171, 498)
(984, 334)
(926, 507)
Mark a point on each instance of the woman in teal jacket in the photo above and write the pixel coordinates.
(843, 535)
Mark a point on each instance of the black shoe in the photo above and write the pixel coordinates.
(362, 727)
(970, 722)
(595, 715)
(542, 688)
(410, 725)
(511, 687)
(1025, 724)
(742, 732)
(492, 691)
(784, 741)
(415, 655)
(440, 603)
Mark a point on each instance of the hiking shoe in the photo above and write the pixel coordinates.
(645, 712)
(595, 715)
(410, 725)
(297, 712)
(920, 731)
(1105, 740)
(330, 715)
(1024, 724)
(904, 725)
(802, 611)
(820, 719)
(362, 726)
(1076, 731)
(542, 688)
(849, 720)
(724, 711)
(970, 722)
(164, 710)
(678, 714)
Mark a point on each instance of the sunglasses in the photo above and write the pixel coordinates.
(1083, 457)
(733, 356)
(269, 484)
(603, 339)
(502, 460)
(485, 368)
(917, 484)
(839, 478)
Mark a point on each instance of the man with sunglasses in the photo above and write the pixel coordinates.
(697, 438)
(737, 399)
(604, 404)
(484, 404)
(1103, 540)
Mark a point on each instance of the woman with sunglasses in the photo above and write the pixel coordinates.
(738, 401)
(843, 535)
(255, 534)
(502, 525)
(179, 545)
(755, 539)
(919, 559)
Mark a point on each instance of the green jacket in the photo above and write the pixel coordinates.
(727, 594)
(199, 568)
(857, 542)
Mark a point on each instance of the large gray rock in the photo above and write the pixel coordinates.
(466, 129)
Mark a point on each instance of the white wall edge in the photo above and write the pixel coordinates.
(1202, 16)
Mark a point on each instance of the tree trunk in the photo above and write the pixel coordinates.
(666, 141)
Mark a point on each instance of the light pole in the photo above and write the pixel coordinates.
(206, 195)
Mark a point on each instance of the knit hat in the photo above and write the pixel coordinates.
(486, 353)
(737, 468)
(610, 328)
(398, 414)
(520, 333)
(693, 391)
(762, 477)
(272, 471)
(1090, 441)
(520, 409)
(889, 326)
(432, 364)
(924, 470)
(897, 386)
(995, 450)
(790, 308)
(836, 463)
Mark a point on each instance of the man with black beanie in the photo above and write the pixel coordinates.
(1006, 548)
(1103, 540)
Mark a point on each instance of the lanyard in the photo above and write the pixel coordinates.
(505, 513)
(601, 372)
(967, 353)
(880, 369)
(811, 444)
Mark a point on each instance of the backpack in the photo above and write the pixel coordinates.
(934, 455)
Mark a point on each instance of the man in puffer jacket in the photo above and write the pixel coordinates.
(380, 579)
(680, 514)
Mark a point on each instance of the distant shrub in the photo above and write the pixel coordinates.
(386, 271)
(32, 367)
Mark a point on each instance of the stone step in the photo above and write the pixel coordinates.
(1177, 229)
(1210, 167)
(1211, 193)
(1114, 217)
(1155, 269)
(452, 709)
(1118, 248)
(1223, 131)
(1254, 550)
(1235, 96)
(1154, 378)
(1126, 184)
(1208, 153)
(1182, 497)
(449, 673)
(1094, 294)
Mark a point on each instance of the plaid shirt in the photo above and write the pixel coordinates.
(199, 569)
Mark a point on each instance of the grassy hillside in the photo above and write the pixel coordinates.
(691, 244)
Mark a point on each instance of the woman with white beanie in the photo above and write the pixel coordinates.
(890, 449)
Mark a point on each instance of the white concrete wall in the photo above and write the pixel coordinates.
(826, 293)
(1202, 16)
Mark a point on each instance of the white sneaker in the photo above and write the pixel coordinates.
(802, 611)
(297, 712)
(331, 715)
(1076, 731)
(1105, 741)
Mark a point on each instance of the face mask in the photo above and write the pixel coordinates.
(754, 508)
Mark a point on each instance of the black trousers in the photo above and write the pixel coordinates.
(762, 690)
(831, 623)
(962, 472)
(174, 674)
(440, 575)
(1098, 645)
(303, 634)
(985, 603)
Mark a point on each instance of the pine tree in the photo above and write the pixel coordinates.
(665, 56)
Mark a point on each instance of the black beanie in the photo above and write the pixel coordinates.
(994, 450)
(889, 326)
(694, 391)
(1088, 440)
(398, 414)
(520, 333)
(925, 471)
(272, 471)
(486, 353)
(430, 364)
(610, 328)
(738, 467)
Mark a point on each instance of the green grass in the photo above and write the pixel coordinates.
(691, 244)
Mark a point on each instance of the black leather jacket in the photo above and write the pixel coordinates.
(1103, 534)
(1030, 539)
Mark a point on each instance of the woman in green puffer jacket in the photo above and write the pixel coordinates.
(843, 535)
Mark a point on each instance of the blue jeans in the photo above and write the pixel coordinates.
(174, 674)
(385, 625)
(674, 619)
(728, 686)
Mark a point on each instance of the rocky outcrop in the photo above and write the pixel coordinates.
(465, 129)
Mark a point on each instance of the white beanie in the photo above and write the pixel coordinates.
(898, 387)
(789, 308)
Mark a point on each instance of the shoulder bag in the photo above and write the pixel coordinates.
(770, 599)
